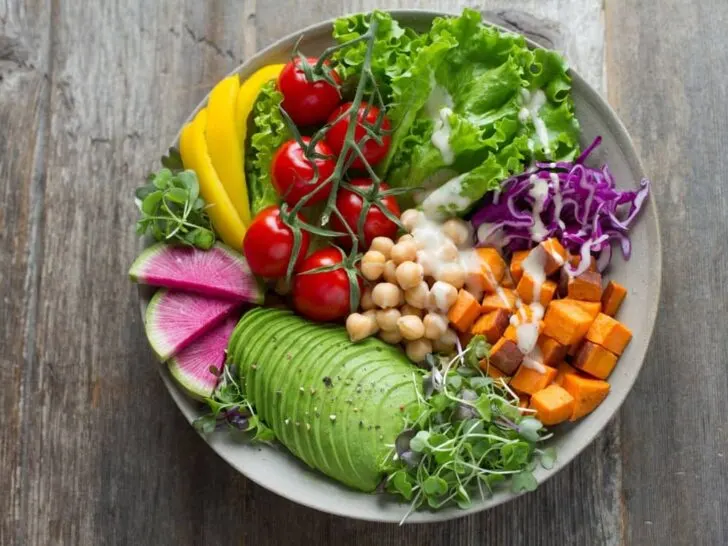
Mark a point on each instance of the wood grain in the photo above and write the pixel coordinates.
(93, 450)
(666, 82)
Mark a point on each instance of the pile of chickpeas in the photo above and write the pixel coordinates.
(409, 294)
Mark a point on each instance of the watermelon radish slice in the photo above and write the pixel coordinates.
(175, 319)
(191, 366)
(219, 272)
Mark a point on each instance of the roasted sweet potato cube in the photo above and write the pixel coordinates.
(566, 322)
(527, 287)
(491, 325)
(609, 333)
(591, 307)
(553, 405)
(505, 298)
(507, 281)
(529, 380)
(585, 287)
(588, 393)
(595, 360)
(571, 350)
(506, 356)
(612, 298)
(492, 371)
(464, 311)
(555, 255)
(516, 267)
(575, 259)
(561, 370)
(492, 268)
(552, 352)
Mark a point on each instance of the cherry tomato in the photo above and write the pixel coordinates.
(322, 296)
(376, 223)
(268, 244)
(373, 151)
(293, 174)
(308, 103)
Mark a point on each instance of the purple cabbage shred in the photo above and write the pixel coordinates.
(579, 205)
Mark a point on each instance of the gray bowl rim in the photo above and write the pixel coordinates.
(615, 125)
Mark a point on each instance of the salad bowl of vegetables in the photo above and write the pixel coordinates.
(400, 266)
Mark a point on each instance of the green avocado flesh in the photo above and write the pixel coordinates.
(334, 404)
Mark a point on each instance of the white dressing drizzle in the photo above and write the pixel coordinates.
(441, 135)
(533, 104)
(558, 199)
(539, 191)
(447, 197)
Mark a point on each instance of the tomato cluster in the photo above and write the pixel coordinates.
(299, 172)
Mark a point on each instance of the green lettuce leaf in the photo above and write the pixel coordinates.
(270, 132)
(469, 86)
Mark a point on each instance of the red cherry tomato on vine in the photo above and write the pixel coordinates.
(373, 151)
(308, 103)
(268, 244)
(293, 174)
(323, 296)
(376, 223)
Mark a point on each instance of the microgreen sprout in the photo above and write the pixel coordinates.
(463, 436)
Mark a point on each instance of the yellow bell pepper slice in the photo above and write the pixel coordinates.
(225, 146)
(248, 94)
(193, 149)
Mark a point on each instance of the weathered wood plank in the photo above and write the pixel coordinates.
(24, 63)
(666, 69)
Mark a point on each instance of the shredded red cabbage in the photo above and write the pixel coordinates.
(579, 205)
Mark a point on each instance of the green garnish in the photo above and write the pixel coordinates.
(171, 207)
(463, 436)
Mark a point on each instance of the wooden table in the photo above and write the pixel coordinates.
(92, 449)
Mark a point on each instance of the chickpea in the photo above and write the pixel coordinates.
(435, 325)
(442, 296)
(390, 336)
(448, 252)
(383, 245)
(387, 319)
(390, 270)
(372, 265)
(407, 309)
(410, 218)
(386, 295)
(458, 231)
(365, 301)
(372, 315)
(359, 326)
(405, 237)
(447, 342)
(404, 251)
(411, 327)
(451, 273)
(409, 275)
(418, 296)
(428, 264)
(418, 350)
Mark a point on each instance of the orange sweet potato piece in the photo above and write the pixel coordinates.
(588, 393)
(530, 381)
(585, 287)
(595, 360)
(552, 352)
(507, 281)
(566, 322)
(575, 259)
(505, 298)
(512, 331)
(609, 333)
(505, 356)
(493, 268)
(591, 307)
(464, 338)
(553, 405)
(491, 325)
(492, 371)
(562, 369)
(526, 286)
(571, 350)
(612, 298)
(555, 255)
(516, 267)
(464, 311)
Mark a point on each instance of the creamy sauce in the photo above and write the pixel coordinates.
(441, 135)
(558, 198)
(533, 104)
(447, 197)
(534, 360)
(539, 191)
(439, 98)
